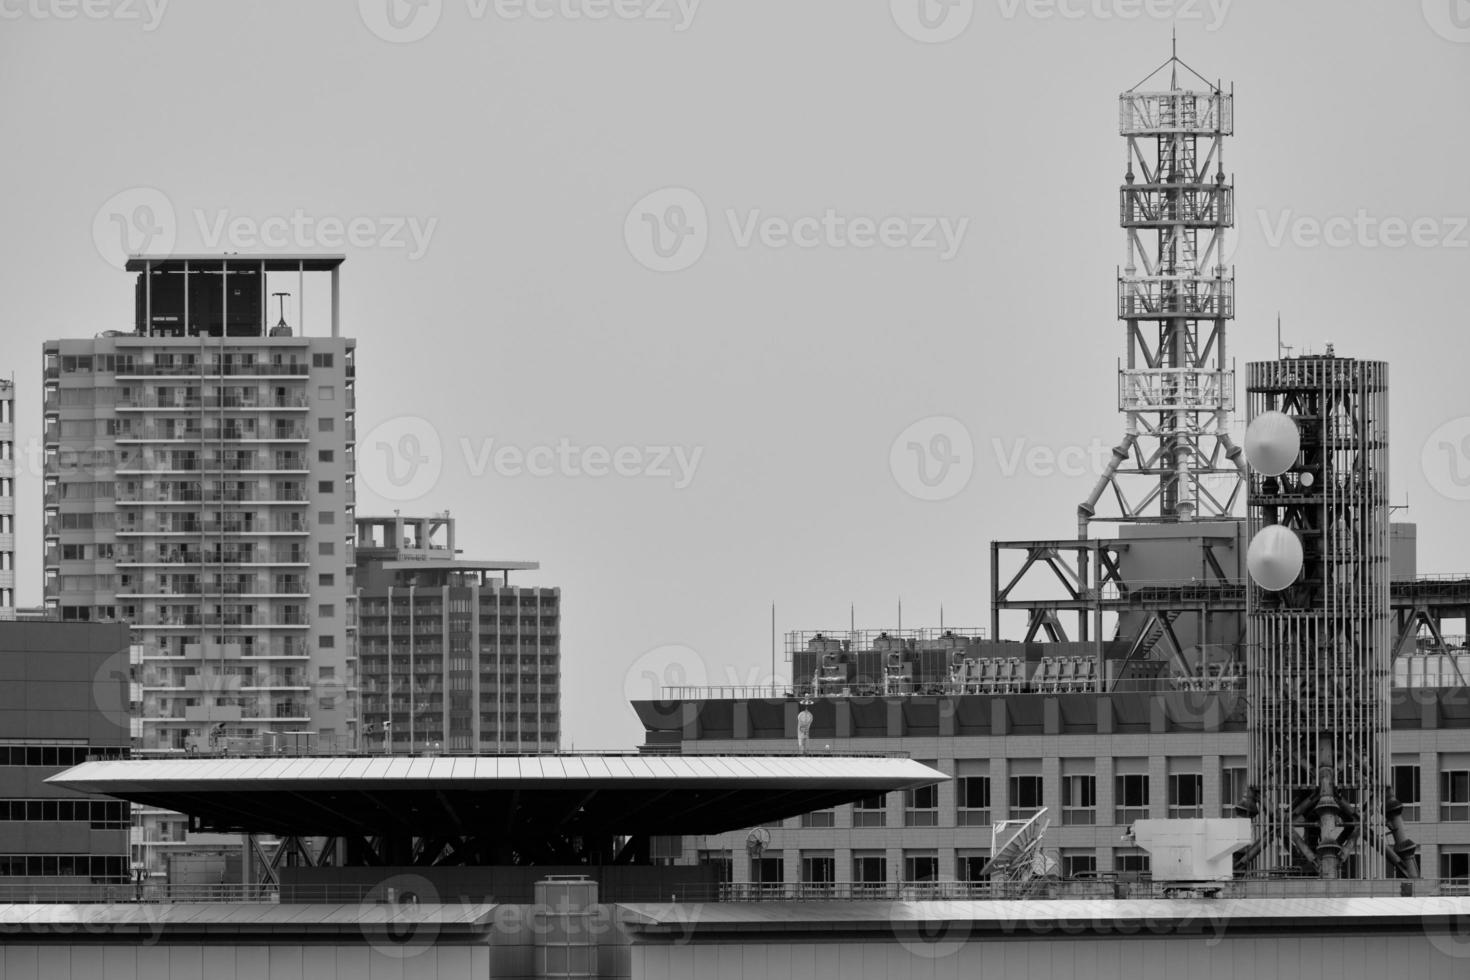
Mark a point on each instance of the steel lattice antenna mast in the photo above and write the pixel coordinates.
(1177, 389)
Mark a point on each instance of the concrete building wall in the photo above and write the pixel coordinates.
(63, 699)
(1126, 955)
(240, 961)
(1428, 730)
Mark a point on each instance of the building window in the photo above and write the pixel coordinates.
(326, 424)
(920, 866)
(1232, 789)
(921, 806)
(1078, 863)
(973, 795)
(1130, 797)
(1025, 796)
(324, 486)
(326, 393)
(326, 580)
(326, 642)
(768, 869)
(1130, 861)
(1406, 790)
(321, 360)
(819, 818)
(871, 812)
(1079, 799)
(326, 517)
(325, 548)
(1454, 866)
(1454, 794)
(818, 871)
(1186, 795)
(869, 872)
(326, 610)
(970, 864)
(324, 455)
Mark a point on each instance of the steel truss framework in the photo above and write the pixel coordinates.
(1175, 296)
(1081, 581)
(1319, 653)
(1065, 587)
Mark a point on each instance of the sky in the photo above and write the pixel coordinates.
(659, 293)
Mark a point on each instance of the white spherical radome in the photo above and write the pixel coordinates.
(1275, 557)
(1272, 443)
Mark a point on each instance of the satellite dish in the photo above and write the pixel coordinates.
(1275, 557)
(1014, 853)
(757, 839)
(1272, 443)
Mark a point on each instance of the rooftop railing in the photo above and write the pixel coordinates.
(1104, 887)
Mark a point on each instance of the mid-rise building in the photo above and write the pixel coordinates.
(454, 657)
(63, 701)
(199, 486)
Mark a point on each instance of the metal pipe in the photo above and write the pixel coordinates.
(1404, 851)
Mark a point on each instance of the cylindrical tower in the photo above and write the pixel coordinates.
(1176, 386)
(1318, 634)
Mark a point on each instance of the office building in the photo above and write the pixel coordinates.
(63, 701)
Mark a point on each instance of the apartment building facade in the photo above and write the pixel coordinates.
(454, 657)
(199, 486)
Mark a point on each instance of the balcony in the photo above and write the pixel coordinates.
(210, 369)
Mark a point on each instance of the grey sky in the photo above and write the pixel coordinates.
(518, 146)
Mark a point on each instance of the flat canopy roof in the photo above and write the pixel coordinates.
(578, 794)
(271, 261)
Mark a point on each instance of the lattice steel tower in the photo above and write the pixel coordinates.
(1176, 461)
(1318, 619)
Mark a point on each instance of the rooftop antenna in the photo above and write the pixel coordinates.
(1173, 56)
(281, 329)
(1281, 348)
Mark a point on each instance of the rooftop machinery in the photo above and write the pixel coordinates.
(1176, 388)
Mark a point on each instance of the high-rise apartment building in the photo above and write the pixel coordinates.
(199, 486)
(7, 499)
(454, 658)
